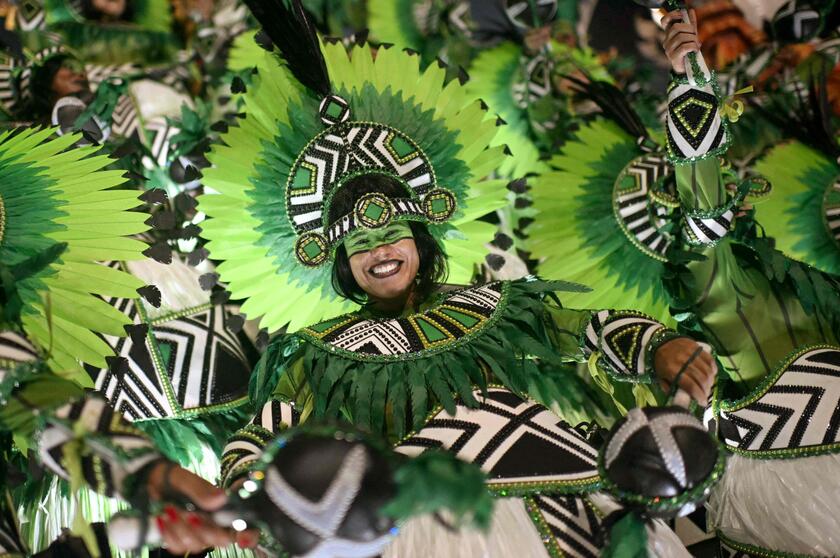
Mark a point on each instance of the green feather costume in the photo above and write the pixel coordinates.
(461, 357)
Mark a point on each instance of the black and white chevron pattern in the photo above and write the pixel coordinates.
(535, 83)
(157, 137)
(114, 449)
(174, 364)
(348, 148)
(97, 73)
(636, 213)
(800, 410)
(621, 337)
(124, 119)
(572, 522)
(832, 214)
(513, 440)
(30, 15)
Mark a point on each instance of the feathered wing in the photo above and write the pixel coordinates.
(53, 194)
(798, 212)
(575, 233)
(248, 225)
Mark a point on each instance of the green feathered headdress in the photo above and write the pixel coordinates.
(305, 133)
(803, 212)
(51, 195)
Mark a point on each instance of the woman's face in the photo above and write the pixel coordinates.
(70, 79)
(384, 261)
(111, 9)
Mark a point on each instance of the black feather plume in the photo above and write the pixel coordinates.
(286, 24)
(612, 102)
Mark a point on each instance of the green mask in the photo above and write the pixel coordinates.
(365, 240)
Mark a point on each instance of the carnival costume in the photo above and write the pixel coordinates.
(459, 373)
(772, 321)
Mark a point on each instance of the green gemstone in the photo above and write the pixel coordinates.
(312, 249)
(302, 179)
(165, 350)
(439, 206)
(374, 211)
(402, 147)
(334, 109)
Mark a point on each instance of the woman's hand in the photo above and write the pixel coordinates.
(189, 532)
(680, 38)
(697, 377)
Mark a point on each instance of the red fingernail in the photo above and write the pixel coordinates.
(246, 540)
(161, 524)
(194, 520)
(171, 513)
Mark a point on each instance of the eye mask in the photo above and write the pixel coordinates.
(365, 240)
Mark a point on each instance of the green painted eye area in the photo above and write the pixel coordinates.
(365, 240)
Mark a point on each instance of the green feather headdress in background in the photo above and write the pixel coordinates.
(51, 195)
(146, 37)
(803, 211)
(366, 112)
(588, 208)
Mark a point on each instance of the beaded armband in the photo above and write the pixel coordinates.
(625, 342)
(245, 447)
(695, 129)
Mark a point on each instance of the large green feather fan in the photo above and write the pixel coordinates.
(794, 214)
(248, 226)
(52, 194)
(492, 75)
(576, 235)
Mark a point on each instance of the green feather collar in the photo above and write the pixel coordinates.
(392, 372)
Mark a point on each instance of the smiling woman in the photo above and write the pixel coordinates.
(384, 266)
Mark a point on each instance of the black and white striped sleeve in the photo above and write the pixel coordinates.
(624, 342)
(246, 446)
(90, 436)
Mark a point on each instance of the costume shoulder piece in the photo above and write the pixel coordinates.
(455, 319)
(317, 120)
(431, 357)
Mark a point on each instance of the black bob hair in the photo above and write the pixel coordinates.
(432, 270)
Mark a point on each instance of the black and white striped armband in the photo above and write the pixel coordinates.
(91, 436)
(707, 228)
(625, 342)
(694, 126)
(246, 446)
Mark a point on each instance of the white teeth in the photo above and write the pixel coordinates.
(384, 268)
